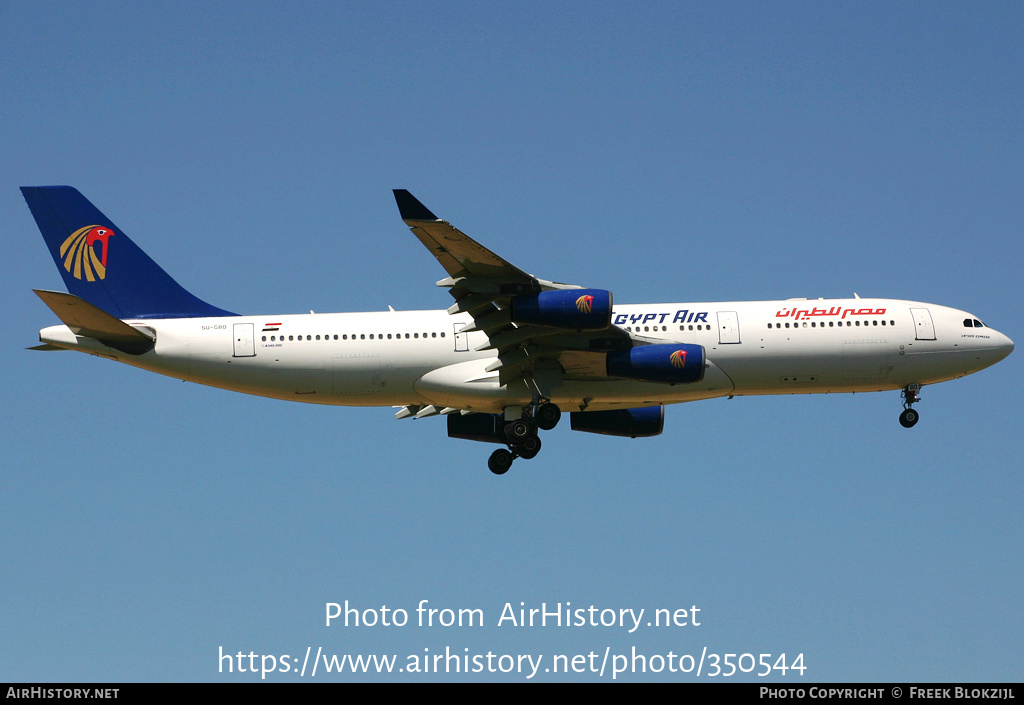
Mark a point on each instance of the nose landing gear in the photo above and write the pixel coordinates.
(521, 436)
(910, 396)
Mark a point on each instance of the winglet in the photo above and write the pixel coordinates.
(410, 208)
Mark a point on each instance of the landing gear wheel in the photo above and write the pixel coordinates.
(518, 430)
(528, 448)
(500, 461)
(908, 418)
(547, 416)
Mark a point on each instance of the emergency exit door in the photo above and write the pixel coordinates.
(924, 329)
(728, 327)
(245, 342)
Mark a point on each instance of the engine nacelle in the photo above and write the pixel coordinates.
(673, 363)
(486, 428)
(635, 423)
(570, 309)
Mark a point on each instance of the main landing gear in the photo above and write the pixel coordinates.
(521, 436)
(910, 396)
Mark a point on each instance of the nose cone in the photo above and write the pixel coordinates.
(991, 347)
(1003, 345)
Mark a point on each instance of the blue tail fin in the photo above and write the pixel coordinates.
(102, 265)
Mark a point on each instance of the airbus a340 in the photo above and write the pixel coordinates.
(510, 354)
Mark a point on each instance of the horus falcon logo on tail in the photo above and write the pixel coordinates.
(80, 256)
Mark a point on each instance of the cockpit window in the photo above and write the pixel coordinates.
(978, 324)
(968, 323)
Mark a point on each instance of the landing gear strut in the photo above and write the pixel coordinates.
(910, 396)
(521, 436)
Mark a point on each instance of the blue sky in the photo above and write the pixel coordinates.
(668, 152)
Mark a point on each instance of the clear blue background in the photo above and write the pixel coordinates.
(665, 151)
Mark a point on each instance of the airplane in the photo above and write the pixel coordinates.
(510, 354)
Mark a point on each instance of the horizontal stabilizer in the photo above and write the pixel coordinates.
(45, 346)
(91, 322)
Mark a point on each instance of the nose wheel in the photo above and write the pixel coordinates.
(908, 418)
(910, 396)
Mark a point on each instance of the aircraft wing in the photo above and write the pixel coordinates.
(460, 255)
(483, 285)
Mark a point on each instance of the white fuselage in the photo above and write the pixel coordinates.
(398, 358)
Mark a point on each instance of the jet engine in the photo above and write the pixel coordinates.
(672, 363)
(640, 422)
(486, 428)
(570, 309)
